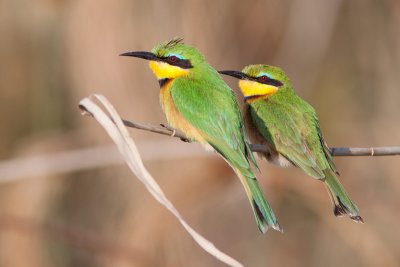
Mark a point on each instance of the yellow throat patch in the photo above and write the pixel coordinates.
(164, 70)
(253, 88)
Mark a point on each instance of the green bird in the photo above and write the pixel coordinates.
(199, 103)
(277, 117)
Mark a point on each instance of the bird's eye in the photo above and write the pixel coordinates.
(172, 59)
(263, 78)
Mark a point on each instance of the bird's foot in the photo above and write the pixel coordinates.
(173, 130)
(174, 133)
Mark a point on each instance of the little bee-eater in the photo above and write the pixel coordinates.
(199, 103)
(277, 117)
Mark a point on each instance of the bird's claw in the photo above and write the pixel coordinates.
(185, 140)
(173, 130)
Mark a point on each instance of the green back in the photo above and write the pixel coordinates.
(291, 125)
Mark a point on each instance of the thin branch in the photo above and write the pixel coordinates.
(348, 151)
(162, 129)
(366, 151)
(335, 151)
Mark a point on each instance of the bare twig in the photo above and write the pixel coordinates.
(335, 151)
(348, 151)
(365, 151)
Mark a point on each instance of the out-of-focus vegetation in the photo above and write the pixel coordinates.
(342, 56)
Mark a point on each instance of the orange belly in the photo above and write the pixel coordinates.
(175, 118)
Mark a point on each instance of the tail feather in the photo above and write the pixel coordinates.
(265, 217)
(343, 205)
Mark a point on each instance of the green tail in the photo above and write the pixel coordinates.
(341, 201)
(265, 217)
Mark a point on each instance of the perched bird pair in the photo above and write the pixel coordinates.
(198, 102)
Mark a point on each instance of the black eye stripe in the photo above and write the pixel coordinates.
(267, 80)
(175, 61)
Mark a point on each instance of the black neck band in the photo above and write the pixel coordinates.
(162, 82)
(252, 97)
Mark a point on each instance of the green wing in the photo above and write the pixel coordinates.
(211, 107)
(293, 128)
(327, 151)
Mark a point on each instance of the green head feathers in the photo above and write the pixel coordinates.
(272, 72)
(172, 59)
(176, 48)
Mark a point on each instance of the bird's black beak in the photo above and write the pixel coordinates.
(237, 74)
(141, 54)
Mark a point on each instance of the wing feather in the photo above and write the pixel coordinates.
(212, 108)
(294, 132)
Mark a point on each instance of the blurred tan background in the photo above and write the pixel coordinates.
(87, 209)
